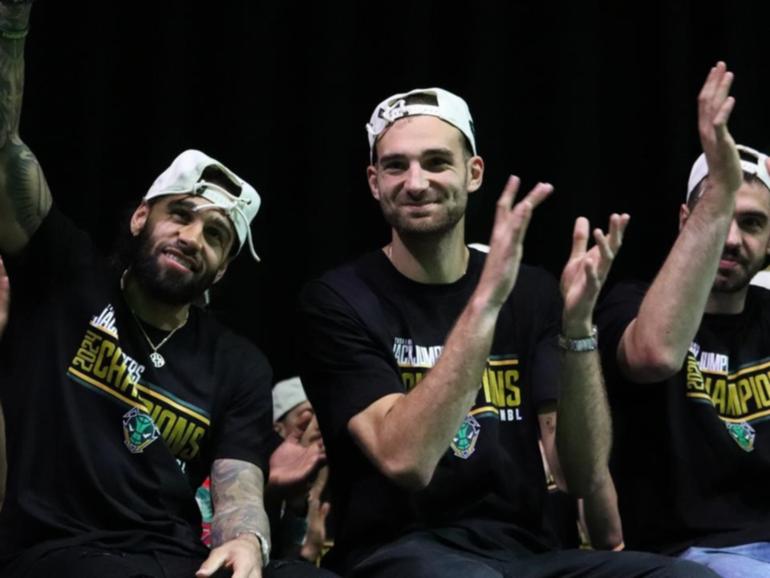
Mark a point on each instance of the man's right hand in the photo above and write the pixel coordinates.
(5, 297)
(507, 243)
(714, 108)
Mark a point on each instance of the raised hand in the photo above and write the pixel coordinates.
(317, 512)
(293, 464)
(586, 271)
(506, 245)
(714, 108)
(5, 297)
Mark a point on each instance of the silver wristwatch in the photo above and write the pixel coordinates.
(588, 343)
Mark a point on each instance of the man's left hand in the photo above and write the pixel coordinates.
(586, 272)
(242, 555)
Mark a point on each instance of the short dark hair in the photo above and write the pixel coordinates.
(428, 98)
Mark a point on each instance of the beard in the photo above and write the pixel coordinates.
(436, 224)
(740, 277)
(164, 285)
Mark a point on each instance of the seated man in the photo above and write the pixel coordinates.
(119, 396)
(686, 360)
(433, 369)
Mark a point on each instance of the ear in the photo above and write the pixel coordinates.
(684, 214)
(279, 428)
(475, 173)
(371, 177)
(139, 218)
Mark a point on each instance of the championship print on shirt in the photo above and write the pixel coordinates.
(102, 366)
(500, 386)
(740, 397)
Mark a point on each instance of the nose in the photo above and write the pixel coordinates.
(733, 235)
(416, 182)
(190, 235)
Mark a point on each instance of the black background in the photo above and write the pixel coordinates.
(598, 98)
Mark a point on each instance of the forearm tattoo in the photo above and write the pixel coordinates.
(21, 179)
(237, 489)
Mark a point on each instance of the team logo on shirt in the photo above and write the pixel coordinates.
(464, 443)
(139, 431)
(743, 435)
(740, 398)
(101, 365)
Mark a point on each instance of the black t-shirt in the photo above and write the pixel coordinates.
(368, 331)
(104, 448)
(691, 455)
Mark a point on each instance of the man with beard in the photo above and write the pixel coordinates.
(119, 396)
(433, 370)
(686, 360)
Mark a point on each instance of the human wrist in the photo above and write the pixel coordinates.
(579, 343)
(259, 541)
(576, 328)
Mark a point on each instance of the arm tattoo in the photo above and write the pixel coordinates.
(237, 490)
(24, 194)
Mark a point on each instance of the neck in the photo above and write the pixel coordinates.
(727, 303)
(430, 259)
(160, 315)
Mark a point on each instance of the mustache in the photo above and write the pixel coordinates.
(733, 254)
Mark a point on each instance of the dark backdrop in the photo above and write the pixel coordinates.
(595, 97)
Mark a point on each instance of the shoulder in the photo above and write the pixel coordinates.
(228, 346)
(344, 285)
(758, 299)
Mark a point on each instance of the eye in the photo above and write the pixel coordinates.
(437, 163)
(215, 235)
(181, 214)
(752, 223)
(393, 165)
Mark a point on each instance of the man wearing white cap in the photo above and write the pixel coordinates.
(433, 370)
(687, 367)
(119, 396)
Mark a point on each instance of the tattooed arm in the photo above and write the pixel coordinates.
(239, 515)
(24, 195)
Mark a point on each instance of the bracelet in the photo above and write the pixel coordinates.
(582, 344)
(264, 545)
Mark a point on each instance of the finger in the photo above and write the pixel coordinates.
(538, 194)
(505, 202)
(723, 87)
(579, 238)
(592, 274)
(618, 224)
(213, 563)
(722, 116)
(710, 84)
(605, 251)
(522, 212)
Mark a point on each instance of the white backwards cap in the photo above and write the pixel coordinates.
(752, 162)
(444, 105)
(287, 395)
(185, 176)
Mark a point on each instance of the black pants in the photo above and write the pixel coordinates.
(93, 562)
(427, 555)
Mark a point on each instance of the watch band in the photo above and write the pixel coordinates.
(581, 344)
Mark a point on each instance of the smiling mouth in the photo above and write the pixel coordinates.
(179, 261)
